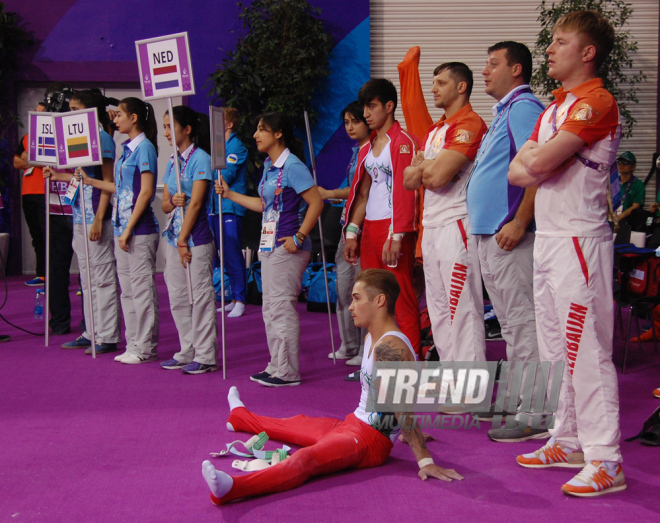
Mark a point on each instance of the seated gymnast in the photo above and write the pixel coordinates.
(330, 445)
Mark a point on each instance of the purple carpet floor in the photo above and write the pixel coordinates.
(95, 440)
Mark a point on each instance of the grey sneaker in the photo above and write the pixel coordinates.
(355, 361)
(520, 432)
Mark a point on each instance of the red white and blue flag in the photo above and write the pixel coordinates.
(46, 146)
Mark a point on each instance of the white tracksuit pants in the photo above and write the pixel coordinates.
(574, 315)
(105, 288)
(352, 338)
(198, 330)
(139, 298)
(281, 279)
(453, 292)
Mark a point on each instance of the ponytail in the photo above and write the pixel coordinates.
(146, 120)
(93, 98)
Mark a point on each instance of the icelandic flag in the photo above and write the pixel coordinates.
(46, 146)
(77, 147)
(166, 77)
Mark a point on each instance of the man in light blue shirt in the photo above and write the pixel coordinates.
(502, 216)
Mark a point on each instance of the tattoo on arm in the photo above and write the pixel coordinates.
(413, 435)
(385, 351)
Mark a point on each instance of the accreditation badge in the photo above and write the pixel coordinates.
(72, 191)
(267, 241)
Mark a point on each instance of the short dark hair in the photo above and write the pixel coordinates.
(380, 281)
(378, 88)
(232, 115)
(516, 53)
(355, 109)
(459, 72)
(594, 27)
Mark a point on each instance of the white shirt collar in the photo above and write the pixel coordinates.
(187, 152)
(280, 161)
(132, 145)
(496, 108)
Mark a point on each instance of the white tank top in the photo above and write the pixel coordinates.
(374, 418)
(379, 204)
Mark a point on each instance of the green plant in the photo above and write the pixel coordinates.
(617, 71)
(279, 60)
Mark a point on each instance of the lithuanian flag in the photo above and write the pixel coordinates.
(77, 147)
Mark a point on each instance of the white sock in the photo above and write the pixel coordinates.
(230, 307)
(219, 482)
(234, 399)
(238, 310)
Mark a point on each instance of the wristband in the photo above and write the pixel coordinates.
(351, 235)
(425, 461)
(171, 203)
(297, 242)
(179, 245)
(352, 227)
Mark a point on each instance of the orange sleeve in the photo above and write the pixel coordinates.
(464, 135)
(415, 113)
(592, 117)
(535, 133)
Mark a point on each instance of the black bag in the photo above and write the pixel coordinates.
(650, 434)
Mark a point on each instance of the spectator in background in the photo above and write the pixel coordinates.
(633, 191)
(235, 174)
(34, 205)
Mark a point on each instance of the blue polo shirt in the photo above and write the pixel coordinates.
(491, 200)
(235, 174)
(195, 165)
(139, 155)
(292, 207)
(92, 194)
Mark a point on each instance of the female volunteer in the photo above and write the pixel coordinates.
(351, 337)
(136, 228)
(105, 291)
(291, 204)
(190, 243)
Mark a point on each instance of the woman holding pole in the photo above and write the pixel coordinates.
(291, 205)
(190, 242)
(104, 293)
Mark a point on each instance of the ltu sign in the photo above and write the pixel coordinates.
(530, 392)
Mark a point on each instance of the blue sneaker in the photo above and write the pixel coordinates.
(172, 364)
(198, 368)
(79, 343)
(102, 348)
(35, 282)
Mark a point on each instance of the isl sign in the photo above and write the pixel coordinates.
(77, 138)
(165, 66)
(41, 139)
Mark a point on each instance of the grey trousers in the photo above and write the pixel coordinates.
(508, 276)
(352, 337)
(281, 278)
(105, 288)
(198, 330)
(139, 299)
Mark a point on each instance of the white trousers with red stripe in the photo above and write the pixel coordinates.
(453, 292)
(574, 321)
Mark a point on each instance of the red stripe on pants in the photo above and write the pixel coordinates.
(330, 445)
(583, 262)
(374, 235)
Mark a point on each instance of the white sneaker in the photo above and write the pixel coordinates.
(552, 454)
(132, 359)
(356, 361)
(596, 479)
(120, 357)
(340, 356)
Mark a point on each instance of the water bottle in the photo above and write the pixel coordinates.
(39, 305)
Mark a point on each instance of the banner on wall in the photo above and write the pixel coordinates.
(165, 66)
(218, 153)
(41, 139)
(77, 138)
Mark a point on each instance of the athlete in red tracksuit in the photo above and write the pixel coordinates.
(378, 205)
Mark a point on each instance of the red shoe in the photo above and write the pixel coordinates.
(656, 393)
(552, 454)
(646, 336)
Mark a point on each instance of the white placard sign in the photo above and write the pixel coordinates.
(77, 138)
(165, 66)
(218, 152)
(41, 139)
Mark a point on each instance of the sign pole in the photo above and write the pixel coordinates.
(175, 161)
(47, 276)
(325, 270)
(88, 295)
(221, 253)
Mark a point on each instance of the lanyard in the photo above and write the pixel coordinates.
(278, 191)
(120, 164)
(183, 168)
